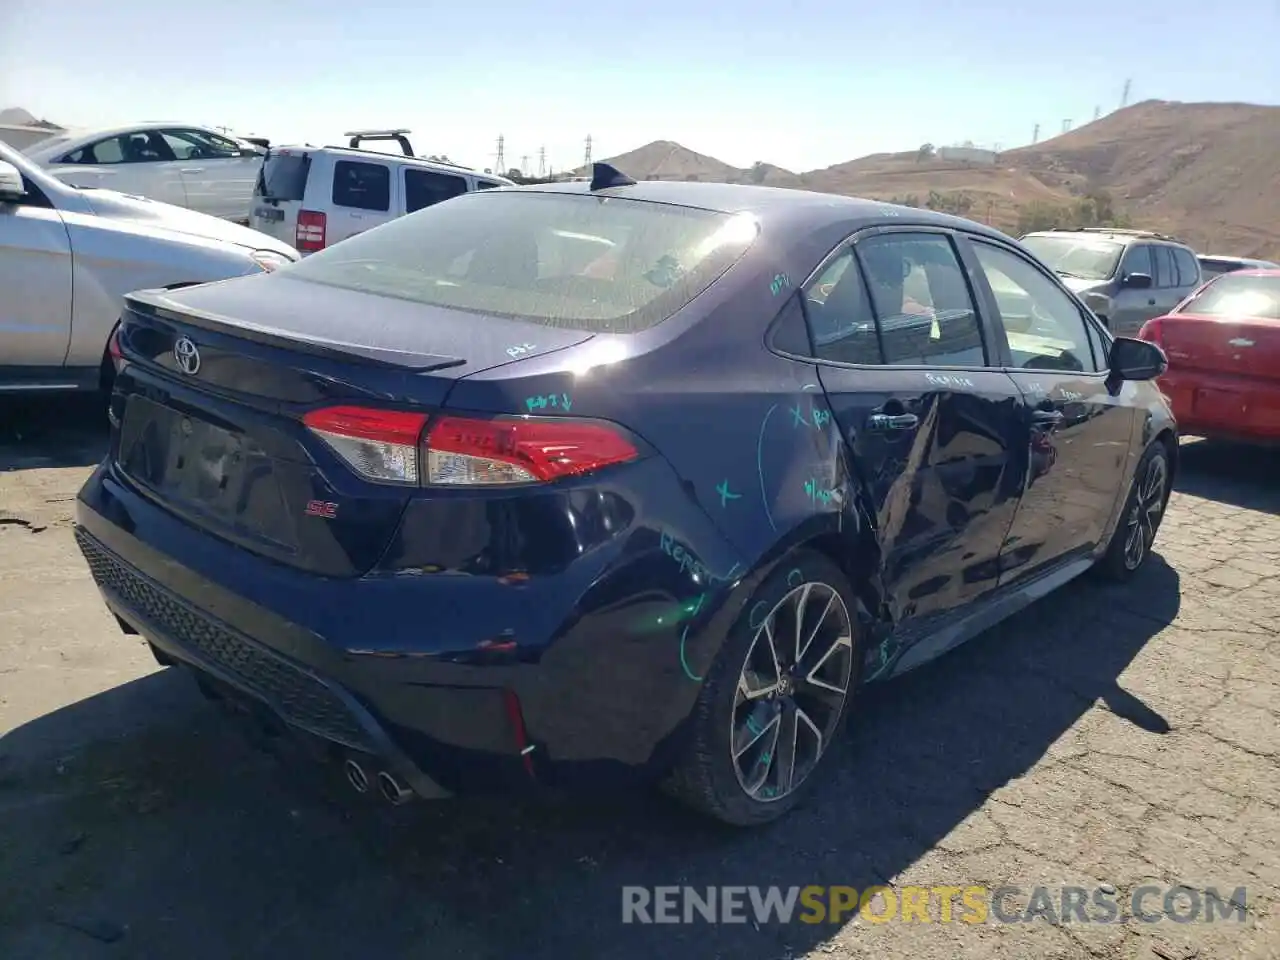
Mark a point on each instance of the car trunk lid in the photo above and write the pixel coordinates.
(218, 378)
(1223, 345)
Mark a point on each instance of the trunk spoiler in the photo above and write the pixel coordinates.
(154, 303)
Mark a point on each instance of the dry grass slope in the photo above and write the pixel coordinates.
(1208, 172)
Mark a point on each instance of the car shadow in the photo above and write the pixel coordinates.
(177, 837)
(1235, 474)
(57, 430)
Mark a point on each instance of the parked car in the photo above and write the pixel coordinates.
(618, 482)
(1223, 345)
(68, 256)
(312, 197)
(1213, 264)
(1125, 276)
(178, 163)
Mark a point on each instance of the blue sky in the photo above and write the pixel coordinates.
(803, 85)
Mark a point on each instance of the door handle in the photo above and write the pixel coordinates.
(880, 422)
(1046, 418)
(191, 170)
(1151, 303)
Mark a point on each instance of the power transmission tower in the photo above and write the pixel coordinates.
(524, 163)
(586, 156)
(502, 159)
(542, 161)
(1035, 134)
(1066, 126)
(1097, 112)
(1124, 97)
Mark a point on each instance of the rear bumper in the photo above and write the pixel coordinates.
(582, 701)
(1220, 405)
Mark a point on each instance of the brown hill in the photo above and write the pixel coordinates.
(1208, 172)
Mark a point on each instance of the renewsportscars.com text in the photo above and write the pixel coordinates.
(941, 904)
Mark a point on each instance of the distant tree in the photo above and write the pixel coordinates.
(758, 172)
(926, 152)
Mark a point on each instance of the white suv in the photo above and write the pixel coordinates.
(312, 197)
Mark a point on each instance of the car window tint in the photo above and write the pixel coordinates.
(104, 151)
(921, 301)
(365, 186)
(1137, 260)
(1099, 344)
(487, 184)
(838, 311)
(196, 145)
(422, 188)
(1044, 326)
(146, 146)
(1188, 268)
(1165, 276)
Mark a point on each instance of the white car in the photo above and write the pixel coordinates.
(314, 197)
(69, 255)
(185, 165)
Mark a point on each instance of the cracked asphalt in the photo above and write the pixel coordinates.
(1106, 736)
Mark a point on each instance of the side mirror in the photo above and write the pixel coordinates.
(1138, 281)
(11, 188)
(1136, 359)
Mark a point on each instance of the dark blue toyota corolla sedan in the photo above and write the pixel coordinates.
(584, 484)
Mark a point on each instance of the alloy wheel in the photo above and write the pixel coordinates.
(791, 691)
(1144, 517)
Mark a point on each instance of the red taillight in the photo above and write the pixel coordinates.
(1152, 331)
(309, 235)
(377, 444)
(114, 351)
(389, 446)
(469, 451)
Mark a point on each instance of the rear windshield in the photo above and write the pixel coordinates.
(1234, 295)
(283, 176)
(601, 264)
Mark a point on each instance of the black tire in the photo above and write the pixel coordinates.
(709, 777)
(1139, 522)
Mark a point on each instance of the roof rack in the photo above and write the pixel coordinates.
(1122, 231)
(399, 135)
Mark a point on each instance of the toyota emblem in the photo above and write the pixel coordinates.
(187, 356)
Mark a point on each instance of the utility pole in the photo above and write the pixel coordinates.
(586, 156)
(1035, 134)
(542, 161)
(502, 159)
(1124, 97)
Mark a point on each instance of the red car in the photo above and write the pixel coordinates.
(1223, 345)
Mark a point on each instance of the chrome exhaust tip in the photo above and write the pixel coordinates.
(356, 776)
(392, 790)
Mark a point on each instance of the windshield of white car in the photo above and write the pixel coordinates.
(571, 260)
(1082, 257)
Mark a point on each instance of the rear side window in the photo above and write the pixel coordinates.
(600, 264)
(922, 301)
(486, 184)
(1234, 295)
(1188, 269)
(842, 325)
(284, 176)
(423, 188)
(364, 186)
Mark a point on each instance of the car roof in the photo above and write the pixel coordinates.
(1255, 272)
(772, 205)
(71, 139)
(1232, 259)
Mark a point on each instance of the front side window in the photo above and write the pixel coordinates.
(364, 186)
(921, 300)
(1137, 260)
(424, 188)
(198, 145)
(1044, 326)
(1076, 255)
(600, 264)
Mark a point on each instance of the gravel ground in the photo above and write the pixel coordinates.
(1106, 736)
